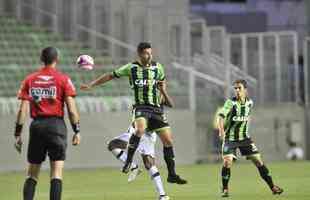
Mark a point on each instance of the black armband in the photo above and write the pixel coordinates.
(76, 127)
(18, 129)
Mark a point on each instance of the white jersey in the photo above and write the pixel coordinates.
(147, 142)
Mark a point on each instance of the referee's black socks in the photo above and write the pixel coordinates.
(29, 188)
(264, 173)
(56, 189)
(169, 158)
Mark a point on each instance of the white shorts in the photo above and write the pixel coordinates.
(147, 142)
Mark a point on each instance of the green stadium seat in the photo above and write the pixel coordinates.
(20, 48)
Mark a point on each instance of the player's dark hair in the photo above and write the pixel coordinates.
(143, 45)
(49, 55)
(241, 81)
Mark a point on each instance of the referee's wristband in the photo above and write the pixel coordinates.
(18, 129)
(76, 127)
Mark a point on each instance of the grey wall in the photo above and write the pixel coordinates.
(97, 130)
(272, 124)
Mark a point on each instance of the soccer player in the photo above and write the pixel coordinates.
(46, 91)
(147, 79)
(146, 148)
(233, 129)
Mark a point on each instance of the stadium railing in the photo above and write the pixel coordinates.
(306, 58)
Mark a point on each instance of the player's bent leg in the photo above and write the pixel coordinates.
(256, 159)
(31, 181)
(117, 147)
(227, 163)
(140, 126)
(149, 163)
(264, 173)
(56, 179)
(117, 144)
(166, 138)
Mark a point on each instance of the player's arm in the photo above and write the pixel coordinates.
(167, 100)
(74, 118)
(222, 115)
(99, 81)
(120, 72)
(24, 97)
(73, 113)
(221, 127)
(20, 120)
(162, 86)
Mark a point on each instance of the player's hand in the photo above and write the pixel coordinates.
(162, 85)
(18, 144)
(76, 139)
(85, 87)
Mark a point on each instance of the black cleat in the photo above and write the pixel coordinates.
(126, 167)
(176, 179)
(225, 193)
(277, 190)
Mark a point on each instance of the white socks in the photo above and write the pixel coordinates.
(154, 173)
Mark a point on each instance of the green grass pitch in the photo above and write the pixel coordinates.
(204, 184)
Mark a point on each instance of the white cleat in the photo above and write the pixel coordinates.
(164, 197)
(133, 173)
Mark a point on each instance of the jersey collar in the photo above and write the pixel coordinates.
(152, 65)
(246, 100)
(48, 69)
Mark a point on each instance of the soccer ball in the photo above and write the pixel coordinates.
(85, 62)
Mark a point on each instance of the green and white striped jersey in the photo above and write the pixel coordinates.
(143, 81)
(236, 119)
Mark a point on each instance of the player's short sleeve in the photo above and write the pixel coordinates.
(122, 71)
(23, 92)
(161, 72)
(226, 109)
(69, 88)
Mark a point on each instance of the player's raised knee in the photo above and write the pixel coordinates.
(110, 145)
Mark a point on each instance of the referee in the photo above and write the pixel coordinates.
(45, 92)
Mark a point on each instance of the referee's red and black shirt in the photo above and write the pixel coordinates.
(46, 91)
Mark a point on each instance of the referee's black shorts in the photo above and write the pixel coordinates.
(48, 135)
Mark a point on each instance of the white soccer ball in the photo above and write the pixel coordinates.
(85, 62)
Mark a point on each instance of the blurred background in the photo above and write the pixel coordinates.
(204, 45)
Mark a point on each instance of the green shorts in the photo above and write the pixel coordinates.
(246, 147)
(155, 117)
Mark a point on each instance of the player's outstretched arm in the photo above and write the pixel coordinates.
(163, 89)
(99, 81)
(20, 120)
(74, 119)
